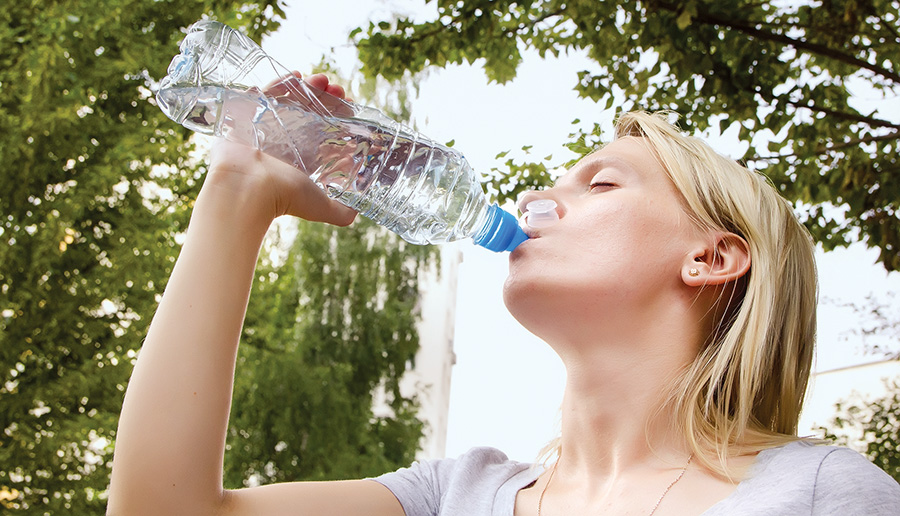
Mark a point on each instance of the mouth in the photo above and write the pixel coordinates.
(532, 233)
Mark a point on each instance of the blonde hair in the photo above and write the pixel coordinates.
(744, 390)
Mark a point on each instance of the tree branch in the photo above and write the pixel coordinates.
(768, 97)
(874, 122)
(887, 26)
(800, 44)
(440, 27)
(824, 149)
(814, 48)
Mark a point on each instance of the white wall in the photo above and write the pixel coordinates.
(430, 378)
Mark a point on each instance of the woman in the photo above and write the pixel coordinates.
(681, 300)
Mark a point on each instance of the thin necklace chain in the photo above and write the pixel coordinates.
(652, 512)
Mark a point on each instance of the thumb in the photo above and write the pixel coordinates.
(338, 214)
(303, 198)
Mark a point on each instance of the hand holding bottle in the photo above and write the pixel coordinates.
(273, 187)
(424, 191)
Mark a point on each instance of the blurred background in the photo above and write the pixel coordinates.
(360, 352)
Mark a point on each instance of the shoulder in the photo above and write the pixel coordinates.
(479, 476)
(846, 478)
(477, 462)
(824, 461)
(489, 461)
(835, 480)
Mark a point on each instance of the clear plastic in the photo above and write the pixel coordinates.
(541, 213)
(223, 84)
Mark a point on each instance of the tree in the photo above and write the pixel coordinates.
(796, 74)
(92, 218)
(97, 185)
(330, 331)
(329, 324)
(879, 326)
(872, 426)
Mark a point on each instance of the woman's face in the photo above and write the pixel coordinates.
(616, 253)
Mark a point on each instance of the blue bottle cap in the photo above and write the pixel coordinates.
(501, 232)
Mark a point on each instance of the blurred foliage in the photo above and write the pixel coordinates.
(97, 185)
(878, 326)
(330, 330)
(872, 426)
(331, 321)
(96, 193)
(794, 74)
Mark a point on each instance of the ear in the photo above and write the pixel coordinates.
(725, 259)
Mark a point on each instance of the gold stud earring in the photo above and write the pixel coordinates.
(694, 272)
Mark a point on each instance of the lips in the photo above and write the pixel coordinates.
(523, 223)
(532, 233)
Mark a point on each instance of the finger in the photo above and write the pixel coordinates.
(341, 215)
(281, 84)
(311, 203)
(336, 90)
(319, 81)
(315, 93)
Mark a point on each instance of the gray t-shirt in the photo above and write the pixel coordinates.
(794, 480)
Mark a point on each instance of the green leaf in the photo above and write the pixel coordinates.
(707, 69)
(93, 213)
(684, 20)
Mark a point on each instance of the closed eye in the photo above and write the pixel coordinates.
(602, 184)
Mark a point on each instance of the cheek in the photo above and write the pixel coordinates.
(610, 240)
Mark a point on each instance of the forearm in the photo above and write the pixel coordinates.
(171, 437)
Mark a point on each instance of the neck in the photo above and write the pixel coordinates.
(614, 416)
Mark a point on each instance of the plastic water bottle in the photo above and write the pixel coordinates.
(223, 84)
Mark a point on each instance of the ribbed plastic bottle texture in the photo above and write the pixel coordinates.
(223, 84)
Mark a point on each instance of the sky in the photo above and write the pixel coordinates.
(507, 385)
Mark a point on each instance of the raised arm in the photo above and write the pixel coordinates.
(171, 437)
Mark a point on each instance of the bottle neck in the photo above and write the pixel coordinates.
(500, 232)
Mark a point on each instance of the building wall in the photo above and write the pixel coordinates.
(429, 379)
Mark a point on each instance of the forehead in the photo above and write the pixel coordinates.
(630, 155)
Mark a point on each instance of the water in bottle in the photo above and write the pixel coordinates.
(223, 84)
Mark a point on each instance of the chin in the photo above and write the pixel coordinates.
(541, 307)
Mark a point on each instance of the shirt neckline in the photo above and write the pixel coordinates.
(505, 501)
